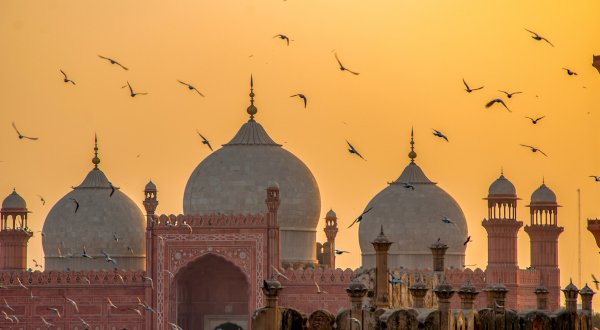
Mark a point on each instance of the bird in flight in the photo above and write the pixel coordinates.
(408, 185)
(360, 217)
(569, 72)
(595, 281)
(473, 265)
(204, 140)
(135, 310)
(319, 289)
(117, 238)
(72, 303)
(113, 62)
(36, 263)
(21, 136)
(132, 93)
(6, 306)
(282, 37)
(342, 67)
(188, 226)
(509, 95)
(76, 204)
(60, 256)
(46, 323)
(42, 199)
(148, 307)
(395, 280)
(535, 120)
(446, 220)
(129, 249)
(277, 273)
(87, 326)
(489, 104)
(537, 37)
(54, 310)
(151, 282)
(535, 149)
(21, 284)
(353, 151)
(85, 255)
(340, 252)
(469, 90)
(112, 189)
(467, 241)
(67, 79)
(302, 97)
(108, 259)
(595, 177)
(191, 87)
(438, 133)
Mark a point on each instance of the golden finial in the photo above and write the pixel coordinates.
(251, 109)
(96, 160)
(412, 154)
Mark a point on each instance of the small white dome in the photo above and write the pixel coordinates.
(14, 201)
(150, 186)
(543, 194)
(502, 187)
(331, 214)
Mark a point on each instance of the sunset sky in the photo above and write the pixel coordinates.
(411, 56)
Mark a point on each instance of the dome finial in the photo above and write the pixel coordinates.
(543, 180)
(96, 160)
(251, 109)
(412, 154)
(501, 170)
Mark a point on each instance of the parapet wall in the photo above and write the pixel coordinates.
(209, 220)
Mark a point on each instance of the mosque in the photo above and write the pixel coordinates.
(249, 207)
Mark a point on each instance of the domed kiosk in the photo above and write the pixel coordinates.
(233, 180)
(92, 215)
(412, 219)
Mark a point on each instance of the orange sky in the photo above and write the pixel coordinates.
(411, 57)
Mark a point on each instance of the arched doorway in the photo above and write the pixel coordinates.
(211, 291)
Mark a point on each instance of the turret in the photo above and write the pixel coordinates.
(150, 200)
(14, 236)
(331, 230)
(274, 232)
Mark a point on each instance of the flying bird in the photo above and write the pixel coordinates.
(85, 255)
(467, 241)
(282, 37)
(509, 95)
(473, 265)
(117, 238)
(46, 323)
(408, 185)
(170, 274)
(360, 217)
(469, 90)
(438, 133)
(338, 252)
(595, 177)
(395, 280)
(537, 37)
(113, 62)
(76, 204)
(342, 67)
(6, 316)
(151, 282)
(278, 273)
(31, 296)
(129, 249)
(6, 306)
(108, 259)
(112, 189)
(87, 326)
(535, 120)
(353, 151)
(86, 280)
(135, 310)
(302, 97)
(446, 220)
(54, 310)
(148, 307)
(21, 284)
(132, 93)
(535, 149)
(191, 87)
(489, 104)
(72, 303)
(67, 79)
(204, 140)
(36, 263)
(595, 281)
(569, 72)
(60, 256)
(319, 290)
(42, 200)
(20, 135)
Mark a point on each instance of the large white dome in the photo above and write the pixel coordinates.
(412, 220)
(233, 180)
(98, 217)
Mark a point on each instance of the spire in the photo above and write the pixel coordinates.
(501, 170)
(251, 109)
(96, 160)
(412, 154)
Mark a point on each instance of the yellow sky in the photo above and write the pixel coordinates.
(411, 56)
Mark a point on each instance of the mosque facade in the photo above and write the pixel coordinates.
(251, 209)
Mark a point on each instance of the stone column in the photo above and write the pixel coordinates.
(467, 293)
(356, 291)
(418, 290)
(444, 292)
(438, 250)
(382, 246)
(586, 298)
(272, 288)
(541, 293)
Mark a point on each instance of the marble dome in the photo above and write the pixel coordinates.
(97, 219)
(502, 186)
(14, 201)
(543, 194)
(234, 179)
(412, 220)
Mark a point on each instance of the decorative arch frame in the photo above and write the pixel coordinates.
(177, 251)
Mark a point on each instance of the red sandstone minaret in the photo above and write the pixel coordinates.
(543, 232)
(150, 201)
(150, 204)
(331, 230)
(274, 243)
(13, 239)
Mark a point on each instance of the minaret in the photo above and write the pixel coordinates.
(274, 232)
(150, 201)
(331, 230)
(543, 233)
(502, 228)
(382, 246)
(14, 239)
